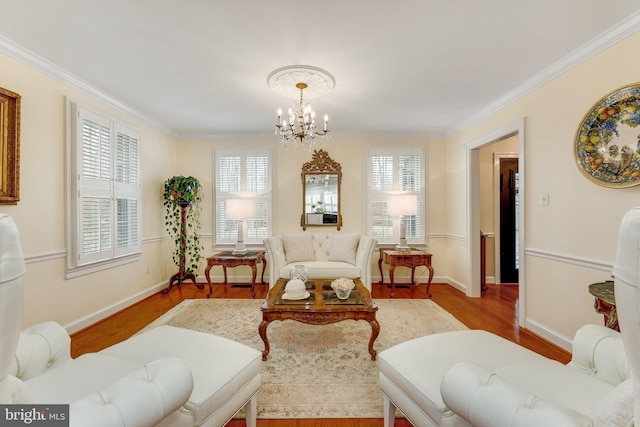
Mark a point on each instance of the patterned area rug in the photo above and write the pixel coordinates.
(315, 371)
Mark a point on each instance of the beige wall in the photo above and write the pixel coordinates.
(571, 243)
(198, 155)
(40, 214)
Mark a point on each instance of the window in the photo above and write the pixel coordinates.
(104, 187)
(243, 171)
(392, 170)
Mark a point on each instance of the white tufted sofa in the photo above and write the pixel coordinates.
(164, 377)
(326, 255)
(475, 378)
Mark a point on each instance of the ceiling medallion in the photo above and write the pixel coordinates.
(291, 82)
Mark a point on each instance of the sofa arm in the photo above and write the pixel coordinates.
(486, 400)
(364, 257)
(599, 351)
(40, 347)
(142, 398)
(275, 256)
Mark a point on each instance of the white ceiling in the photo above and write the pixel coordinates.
(403, 68)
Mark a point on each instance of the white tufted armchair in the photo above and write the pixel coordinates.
(164, 377)
(627, 291)
(475, 378)
(12, 270)
(139, 396)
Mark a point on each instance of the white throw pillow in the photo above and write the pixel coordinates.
(343, 248)
(298, 247)
(617, 409)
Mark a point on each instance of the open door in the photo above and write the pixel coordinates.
(509, 205)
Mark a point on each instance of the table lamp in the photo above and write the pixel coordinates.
(240, 209)
(402, 205)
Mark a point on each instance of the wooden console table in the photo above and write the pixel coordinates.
(227, 259)
(412, 259)
(605, 303)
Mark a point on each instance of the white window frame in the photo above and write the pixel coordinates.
(376, 199)
(118, 181)
(255, 229)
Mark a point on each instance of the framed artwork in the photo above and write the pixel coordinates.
(9, 147)
(607, 142)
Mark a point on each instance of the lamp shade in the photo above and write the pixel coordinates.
(240, 208)
(402, 204)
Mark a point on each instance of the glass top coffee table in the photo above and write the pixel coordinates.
(322, 307)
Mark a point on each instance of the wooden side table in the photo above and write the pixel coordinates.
(411, 259)
(227, 259)
(605, 303)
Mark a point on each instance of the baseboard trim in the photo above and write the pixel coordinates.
(102, 314)
(454, 283)
(549, 334)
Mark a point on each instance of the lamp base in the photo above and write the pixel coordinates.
(403, 248)
(241, 252)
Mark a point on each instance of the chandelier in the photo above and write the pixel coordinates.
(300, 125)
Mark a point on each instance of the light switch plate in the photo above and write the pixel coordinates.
(544, 200)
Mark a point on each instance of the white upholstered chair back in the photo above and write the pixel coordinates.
(626, 271)
(12, 270)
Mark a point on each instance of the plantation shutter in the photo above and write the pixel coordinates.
(411, 181)
(392, 170)
(127, 191)
(94, 189)
(381, 181)
(243, 171)
(107, 208)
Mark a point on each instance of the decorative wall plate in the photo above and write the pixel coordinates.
(607, 143)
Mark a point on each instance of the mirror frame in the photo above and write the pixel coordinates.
(320, 163)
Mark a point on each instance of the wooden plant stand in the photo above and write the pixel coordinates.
(182, 274)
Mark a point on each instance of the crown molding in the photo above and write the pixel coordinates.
(31, 59)
(368, 135)
(608, 38)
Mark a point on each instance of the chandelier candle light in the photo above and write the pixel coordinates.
(301, 125)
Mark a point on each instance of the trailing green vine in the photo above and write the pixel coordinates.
(179, 192)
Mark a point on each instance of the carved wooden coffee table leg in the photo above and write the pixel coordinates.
(262, 329)
(375, 331)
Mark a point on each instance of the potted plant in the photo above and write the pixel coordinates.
(181, 199)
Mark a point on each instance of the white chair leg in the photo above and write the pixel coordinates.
(389, 412)
(251, 411)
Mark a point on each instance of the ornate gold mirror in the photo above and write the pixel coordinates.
(321, 178)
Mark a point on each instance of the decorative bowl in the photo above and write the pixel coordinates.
(343, 287)
(343, 293)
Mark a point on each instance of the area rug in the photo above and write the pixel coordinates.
(315, 371)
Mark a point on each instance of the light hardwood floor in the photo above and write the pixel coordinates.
(495, 312)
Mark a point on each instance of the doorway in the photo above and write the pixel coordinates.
(473, 286)
(509, 188)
